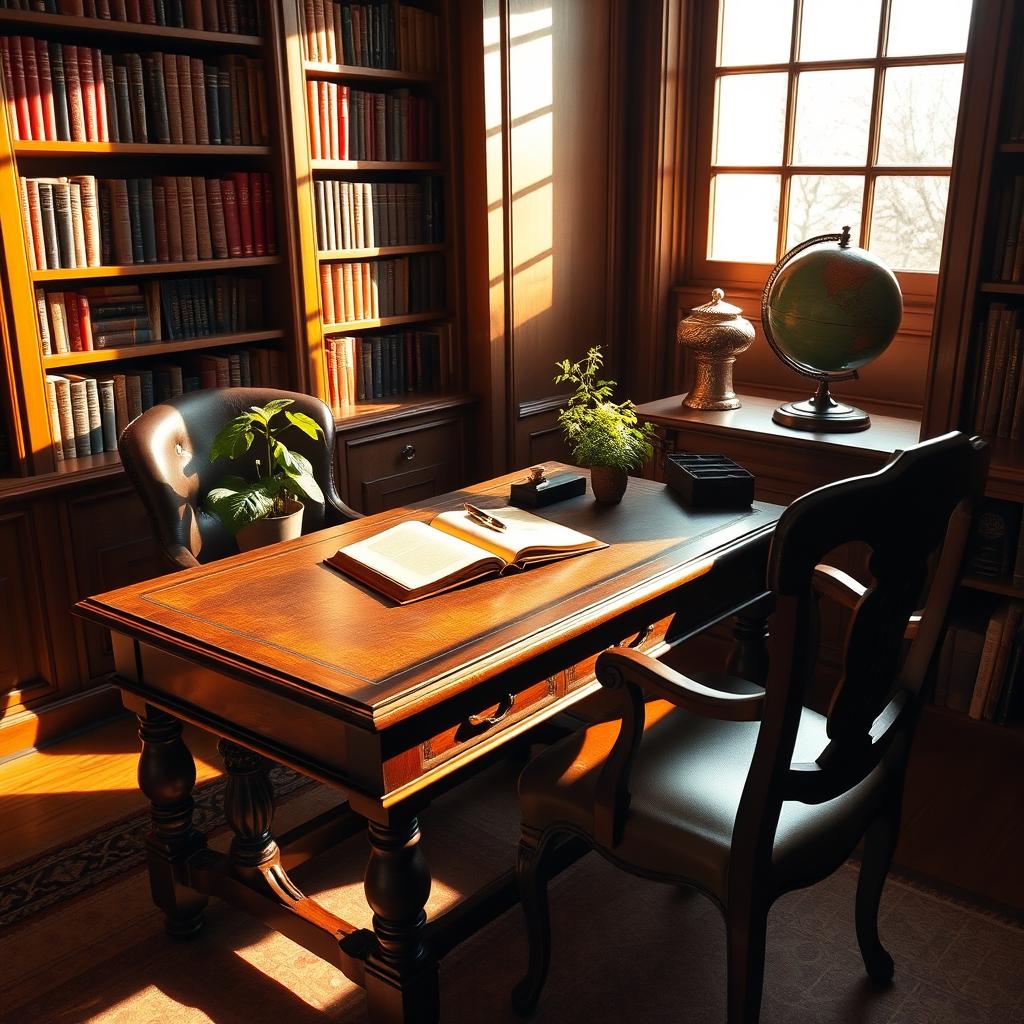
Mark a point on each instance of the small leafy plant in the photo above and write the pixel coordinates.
(281, 474)
(600, 432)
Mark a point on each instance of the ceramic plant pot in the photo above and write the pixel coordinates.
(609, 484)
(273, 528)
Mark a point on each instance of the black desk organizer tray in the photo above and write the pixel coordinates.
(709, 481)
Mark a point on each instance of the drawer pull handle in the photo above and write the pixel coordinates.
(408, 452)
(504, 707)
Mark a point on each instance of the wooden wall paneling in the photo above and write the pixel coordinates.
(985, 72)
(20, 327)
(302, 255)
(110, 544)
(658, 142)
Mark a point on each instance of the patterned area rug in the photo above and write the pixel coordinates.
(68, 871)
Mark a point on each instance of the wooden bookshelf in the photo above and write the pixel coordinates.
(158, 348)
(1000, 587)
(376, 165)
(151, 269)
(353, 73)
(387, 250)
(384, 321)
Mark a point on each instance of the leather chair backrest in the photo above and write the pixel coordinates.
(165, 452)
(917, 506)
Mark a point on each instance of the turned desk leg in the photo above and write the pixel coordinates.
(401, 977)
(749, 658)
(248, 808)
(167, 775)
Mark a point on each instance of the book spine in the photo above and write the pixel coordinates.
(65, 228)
(232, 226)
(199, 101)
(9, 91)
(77, 223)
(204, 241)
(43, 322)
(174, 235)
(212, 104)
(108, 417)
(188, 114)
(84, 322)
(163, 254)
(137, 94)
(46, 90)
(100, 94)
(189, 236)
(88, 94)
(244, 201)
(121, 216)
(54, 418)
(32, 89)
(135, 221)
(147, 220)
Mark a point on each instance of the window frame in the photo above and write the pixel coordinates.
(919, 287)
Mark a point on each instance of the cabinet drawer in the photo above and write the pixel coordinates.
(397, 466)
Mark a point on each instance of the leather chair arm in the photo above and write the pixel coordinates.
(621, 665)
(842, 588)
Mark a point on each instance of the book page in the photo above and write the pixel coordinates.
(414, 556)
(526, 537)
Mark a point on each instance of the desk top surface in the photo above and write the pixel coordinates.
(283, 619)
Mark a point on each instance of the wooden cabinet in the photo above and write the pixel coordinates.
(384, 466)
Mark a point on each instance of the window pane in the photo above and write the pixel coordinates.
(751, 118)
(821, 204)
(919, 108)
(756, 32)
(928, 26)
(832, 31)
(744, 217)
(907, 222)
(832, 113)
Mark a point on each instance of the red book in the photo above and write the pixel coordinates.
(88, 91)
(244, 201)
(132, 10)
(232, 226)
(84, 320)
(74, 324)
(100, 94)
(325, 121)
(24, 119)
(313, 112)
(343, 148)
(46, 89)
(270, 225)
(148, 11)
(332, 118)
(9, 91)
(327, 295)
(163, 253)
(73, 84)
(259, 238)
(35, 100)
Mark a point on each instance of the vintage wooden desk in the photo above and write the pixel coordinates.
(286, 659)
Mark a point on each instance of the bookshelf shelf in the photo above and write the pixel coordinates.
(125, 30)
(108, 355)
(62, 150)
(149, 269)
(314, 69)
(325, 255)
(385, 321)
(1011, 147)
(1002, 287)
(376, 165)
(1001, 587)
(365, 413)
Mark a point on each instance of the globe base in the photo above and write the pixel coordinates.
(822, 414)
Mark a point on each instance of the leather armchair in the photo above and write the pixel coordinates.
(740, 791)
(165, 452)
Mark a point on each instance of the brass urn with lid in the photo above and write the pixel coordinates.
(716, 333)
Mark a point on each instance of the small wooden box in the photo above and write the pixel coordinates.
(709, 481)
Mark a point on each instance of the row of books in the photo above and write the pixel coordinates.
(376, 367)
(60, 92)
(353, 124)
(1008, 239)
(71, 223)
(364, 35)
(238, 16)
(998, 399)
(995, 547)
(87, 414)
(172, 309)
(364, 214)
(981, 666)
(370, 289)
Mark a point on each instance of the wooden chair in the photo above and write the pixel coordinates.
(742, 792)
(165, 452)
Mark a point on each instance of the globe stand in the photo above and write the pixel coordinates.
(821, 413)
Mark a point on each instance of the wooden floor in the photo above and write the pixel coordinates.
(52, 796)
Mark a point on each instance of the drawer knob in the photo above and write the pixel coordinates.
(504, 707)
(408, 452)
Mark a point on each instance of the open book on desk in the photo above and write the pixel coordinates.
(414, 560)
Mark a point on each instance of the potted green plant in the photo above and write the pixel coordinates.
(602, 435)
(269, 508)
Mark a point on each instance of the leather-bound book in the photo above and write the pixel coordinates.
(147, 220)
(186, 202)
(43, 322)
(58, 318)
(174, 238)
(232, 224)
(122, 116)
(61, 191)
(10, 90)
(244, 204)
(100, 97)
(259, 240)
(313, 114)
(163, 254)
(187, 108)
(199, 101)
(121, 220)
(54, 416)
(46, 90)
(210, 78)
(87, 90)
(172, 97)
(204, 240)
(327, 295)
(77, 223)
(137, 94)
(270, 222)
(108, 414)
(218, 232)
(84, 318)
(37, 128)
(135, 221)
(62, 391)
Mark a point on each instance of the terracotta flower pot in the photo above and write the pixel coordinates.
(272, 529)
(609, 484)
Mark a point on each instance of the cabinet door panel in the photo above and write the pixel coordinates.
(113, 545)
(391, 468)
(24, 670)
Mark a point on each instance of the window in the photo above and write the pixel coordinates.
(821, 113)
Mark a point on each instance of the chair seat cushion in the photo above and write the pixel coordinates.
(686, 786)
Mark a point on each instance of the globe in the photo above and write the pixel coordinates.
(829, 309)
